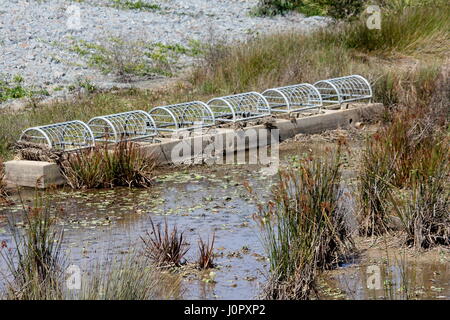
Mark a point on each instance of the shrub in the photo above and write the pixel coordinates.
(303, 227)
(164, 248)
(339, 9)
(124, 165)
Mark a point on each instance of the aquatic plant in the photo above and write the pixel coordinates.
(100, 167)
(206, 255)
(303, 226)
(424, 210)
(34, 259)
(413, 141)
(164, 248)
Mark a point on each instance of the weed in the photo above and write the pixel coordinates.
(136, 5)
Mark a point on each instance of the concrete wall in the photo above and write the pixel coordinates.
(40, 174)
(45, 174)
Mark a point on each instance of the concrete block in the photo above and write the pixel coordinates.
(32, 174)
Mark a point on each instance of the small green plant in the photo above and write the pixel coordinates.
(100, 167)
(206, 254)
(12, 89)
(136, 5)
(35, 259)
(164, 248)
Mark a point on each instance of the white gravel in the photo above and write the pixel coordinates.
(29, 30)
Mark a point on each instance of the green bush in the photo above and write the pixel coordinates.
(339, 9)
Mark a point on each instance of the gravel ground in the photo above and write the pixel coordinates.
(35, 35)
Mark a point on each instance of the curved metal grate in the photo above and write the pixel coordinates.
(183, 116)
(239, 107)
(344, 89)
(293, 98)
(65, 136)
(131, 125)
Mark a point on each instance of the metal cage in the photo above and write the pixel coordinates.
(183, 116)
(64, 136)
(125, 126)
(344, 89)
(293, 98)
(243, 106)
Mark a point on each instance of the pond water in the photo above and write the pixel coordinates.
(109, 223)
(200, 201)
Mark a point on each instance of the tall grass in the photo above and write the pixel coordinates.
(406, 28)
(424, 210)
(339, 9)
(303, 227)
(375, 178)
(35, 259)
(409, 156)
(100, 167)
(383, 56)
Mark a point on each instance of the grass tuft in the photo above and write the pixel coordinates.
(129, 278)
(206, 254)
(165, 248)
(35, 259)
(303, 227)
(124, 165)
